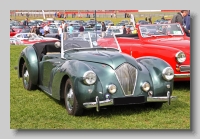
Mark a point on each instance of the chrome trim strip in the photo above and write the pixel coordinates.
(185, 66)
(97, 103)
(100, 103)
(119, 48)
(161, 99)
(181, 75)
(108, 102)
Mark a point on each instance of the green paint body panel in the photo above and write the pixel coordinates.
(28, 54)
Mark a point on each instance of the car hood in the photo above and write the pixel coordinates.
(112, 58)
(178, 43)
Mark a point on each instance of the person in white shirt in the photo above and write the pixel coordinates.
(60, 30)
(63, 25)
(46, 29)
(132, 19)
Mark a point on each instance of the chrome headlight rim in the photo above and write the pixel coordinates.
(165, 73)
(179, 58)
(87, 77)
(112, 88)
(146, 86)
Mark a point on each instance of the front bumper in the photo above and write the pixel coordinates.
(128, 100)
(182, 75)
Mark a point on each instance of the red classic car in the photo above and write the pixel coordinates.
(12, 32)
(165, 41)
(18, 28)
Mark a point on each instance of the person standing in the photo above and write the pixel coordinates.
(132, 20)
(60, 30)
(145, 18)
(103, 29)
(38, 30)
(65, 30)
(187, 23)
(115, 16)
(124, 29)
(25, 23)
(128, 31)
(70, 29)
(81, 29)
(33, 30)
(41, 31)
(46, 29)
(150, 20)
(179, 18)
(63, 25)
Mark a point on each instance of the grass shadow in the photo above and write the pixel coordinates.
(182, 85)
(127, 110)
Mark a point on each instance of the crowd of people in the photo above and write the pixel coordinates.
(182, 17)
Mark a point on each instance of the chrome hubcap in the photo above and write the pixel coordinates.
(26, 78)
(70, 99)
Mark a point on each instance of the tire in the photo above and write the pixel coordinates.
(155, 105)
(71, 103)
(27, 83)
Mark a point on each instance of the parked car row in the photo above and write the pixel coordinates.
(18, 26)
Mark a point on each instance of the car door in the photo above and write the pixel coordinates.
(47, 67)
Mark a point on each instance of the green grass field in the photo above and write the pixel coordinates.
(36, 110)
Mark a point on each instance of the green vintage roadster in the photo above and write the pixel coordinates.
(87, 76)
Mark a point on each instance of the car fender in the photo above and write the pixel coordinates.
(74, 70)
(155, 66)
(28, 55)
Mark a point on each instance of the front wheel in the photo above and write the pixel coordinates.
(71, 103)
(27, 83)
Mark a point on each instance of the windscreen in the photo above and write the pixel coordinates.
(160, 30)
(87, 40)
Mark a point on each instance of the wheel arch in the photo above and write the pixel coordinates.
(20, 66)
(29, 56)
(62, 86)
(155, 66)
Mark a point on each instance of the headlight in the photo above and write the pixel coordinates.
(89, 77)
(180, 57)
(145, 86)
(112, 88)
(168, 73)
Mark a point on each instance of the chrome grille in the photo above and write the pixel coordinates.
(127, 76)
(185, 68)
